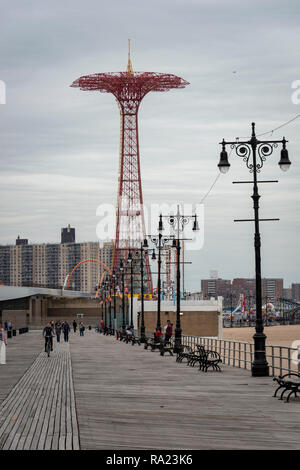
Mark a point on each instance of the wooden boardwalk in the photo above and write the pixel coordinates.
(22, 351)
(130, 398)
(39, 412)
(99, 393)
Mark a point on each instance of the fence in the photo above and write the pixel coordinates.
(281, 359)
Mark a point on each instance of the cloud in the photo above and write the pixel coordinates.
(59, 150)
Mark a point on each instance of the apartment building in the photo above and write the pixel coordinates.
(295, 292)
(48, 265)
(272, 289)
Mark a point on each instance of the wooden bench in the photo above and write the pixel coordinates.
(210, 359)
(159, 345)
(196, 356)
(288, 383)
(132, 339)
(205, 358)
(166, 348)
(186, 352)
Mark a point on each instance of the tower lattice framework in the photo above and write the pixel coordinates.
(129, 88)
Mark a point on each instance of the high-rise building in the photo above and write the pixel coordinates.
(48, 265)
(21, 241)
(296, 292)
(5, 265)
(68, 235)
(106, 254)
(287, 293)
(272, 289)
(215, 287)
(244, 286)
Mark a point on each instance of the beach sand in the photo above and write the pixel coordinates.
(282, 335)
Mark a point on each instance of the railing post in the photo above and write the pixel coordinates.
(233, 354)
(280, 359)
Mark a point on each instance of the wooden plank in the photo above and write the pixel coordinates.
(38, 422)
(122, 392)
(17, 409)
(37, 413)
(21, 352)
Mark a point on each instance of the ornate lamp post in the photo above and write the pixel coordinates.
(105, 305)
(114, 296)
(123, 297)
(160, 242)
(178, 223)
(130, 260)
(143, 336)
(259, 150)
(109, 304)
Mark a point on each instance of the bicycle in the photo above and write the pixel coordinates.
(48, 345)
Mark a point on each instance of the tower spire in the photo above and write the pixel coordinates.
(129, 66)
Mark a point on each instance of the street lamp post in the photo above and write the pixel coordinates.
(178, 222)
(105, 308)
(130, 260)
(123, 297)
(231, 309)
(159, 241)
(259, 151)
(109, 305)
(114, 294)
(143, 336)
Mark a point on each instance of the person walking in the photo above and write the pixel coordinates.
(10, 325)
(81, 328)
(66, 330)
(3, 343)
(58, 331)
(5, 325)
(74, 326)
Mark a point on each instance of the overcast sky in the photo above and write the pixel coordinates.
(59, 146)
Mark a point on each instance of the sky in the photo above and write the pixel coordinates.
(59, 146)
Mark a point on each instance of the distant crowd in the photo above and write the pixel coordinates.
(58, 328)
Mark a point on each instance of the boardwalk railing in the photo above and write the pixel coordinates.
(281, 359)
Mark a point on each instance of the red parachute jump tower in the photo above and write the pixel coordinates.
(129, 88)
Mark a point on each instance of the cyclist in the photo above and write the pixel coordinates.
(48, 333)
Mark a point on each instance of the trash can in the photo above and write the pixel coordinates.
(90, 327)
(14, 332)
(9, 335)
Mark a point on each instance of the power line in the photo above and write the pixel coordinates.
(273, 130)
(210, 189)
(237, 138)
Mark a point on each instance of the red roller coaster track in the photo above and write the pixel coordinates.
(88, 261)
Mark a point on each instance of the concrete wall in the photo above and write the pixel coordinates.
(19, 318)
(67, 309)
(192, 322)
